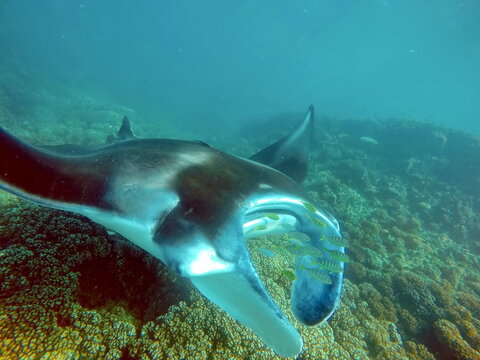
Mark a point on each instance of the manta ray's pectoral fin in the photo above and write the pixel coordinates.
(54, 178)
(290, 154)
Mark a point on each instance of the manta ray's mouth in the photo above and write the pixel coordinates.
(312, 263)
(300, 248)
(275, 234)
(311, 252)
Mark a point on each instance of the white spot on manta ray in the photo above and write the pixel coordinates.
(207, 261)
(145, 194)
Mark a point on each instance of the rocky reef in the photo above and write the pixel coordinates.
(406, 194)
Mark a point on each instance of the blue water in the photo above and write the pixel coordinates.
(219, 61)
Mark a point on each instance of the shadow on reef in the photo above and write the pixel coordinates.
(48, 248)
(126, 279)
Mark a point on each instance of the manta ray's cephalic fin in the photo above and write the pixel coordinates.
(289, 155)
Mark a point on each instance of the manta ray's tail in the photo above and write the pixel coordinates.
(290, 154)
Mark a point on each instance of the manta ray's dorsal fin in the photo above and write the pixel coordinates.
(290, 154)
(125, 131)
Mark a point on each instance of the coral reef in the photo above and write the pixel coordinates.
(453, 344)
(408, 204)
(48, 113)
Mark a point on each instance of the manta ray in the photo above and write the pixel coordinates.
(193, 207)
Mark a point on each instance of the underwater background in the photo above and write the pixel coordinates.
(396, 159)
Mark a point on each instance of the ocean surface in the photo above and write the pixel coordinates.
(395, 158)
